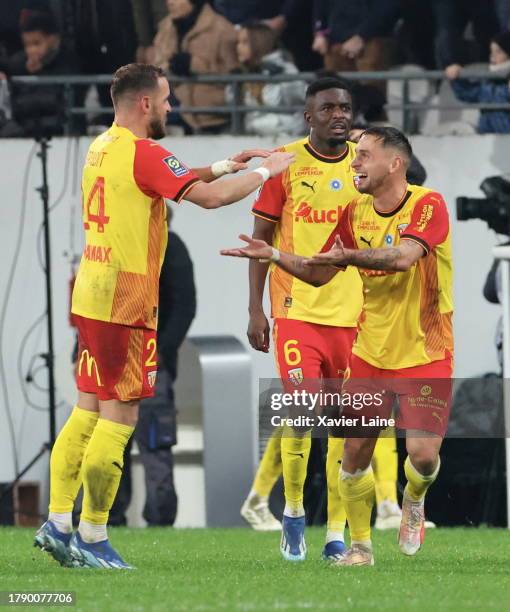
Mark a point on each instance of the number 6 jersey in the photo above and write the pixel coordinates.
(124, 181)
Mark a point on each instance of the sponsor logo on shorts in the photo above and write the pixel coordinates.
(91, 366)
(175, 166)
(151, 378)
(426, 390)
(296, 376)
(438, 417)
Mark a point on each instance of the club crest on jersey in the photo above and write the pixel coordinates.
(175, 166)
(336, 185)
(151, 378)
(402, 227)
(295, 376)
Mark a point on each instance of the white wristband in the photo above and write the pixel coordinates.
(264, 172)
(275, 256)
(224, 166)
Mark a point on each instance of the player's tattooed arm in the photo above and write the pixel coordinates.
(391, 259)
(293, 264)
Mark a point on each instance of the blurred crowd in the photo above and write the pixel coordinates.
(268, 37)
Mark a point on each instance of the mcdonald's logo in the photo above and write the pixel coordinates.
(91, 365)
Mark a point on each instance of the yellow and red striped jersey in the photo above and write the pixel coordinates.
(306, 202)
(124, 181)
(406, 318)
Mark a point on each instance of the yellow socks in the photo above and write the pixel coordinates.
(66, 463)
(417, 484)
(102, 469)
(336, 509)
(295, 453)
(270, 466)
(357, 492)
(385, 465)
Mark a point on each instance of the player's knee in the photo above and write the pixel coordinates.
(357, 454)
(424, 460)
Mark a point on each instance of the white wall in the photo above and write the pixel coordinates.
(456, 166)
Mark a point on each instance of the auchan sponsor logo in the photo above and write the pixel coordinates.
(306, 214)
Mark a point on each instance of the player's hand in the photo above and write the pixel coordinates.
(277, 162)
(336, 256)
(258, 331)
(255, 249)
(320, 44)
(353, 46)
(452, 71)
(240, 159)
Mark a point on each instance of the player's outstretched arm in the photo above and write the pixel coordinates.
(223, 193)
(231, 165)
(391, 259)
(258, 326)
(293, 264)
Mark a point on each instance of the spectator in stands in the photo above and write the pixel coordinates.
(105, 39)
(355, 35)
(258, 52)
(489, 91)
(503, 14)
(452, 18)
(38, 110)
(147, 15)
(194, 39)
(242, 11)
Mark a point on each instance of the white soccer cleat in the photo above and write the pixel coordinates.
(389, 515)
(412, 527)
(257, 514)
(356, 555)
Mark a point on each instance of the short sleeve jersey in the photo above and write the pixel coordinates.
(124, 181)
(305, 202)
(406, 318)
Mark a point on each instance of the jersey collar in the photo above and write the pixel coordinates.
(329, 159)
(397, 209)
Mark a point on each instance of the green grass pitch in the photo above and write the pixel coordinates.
(239, 569)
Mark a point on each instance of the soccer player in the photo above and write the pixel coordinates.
(115, 301)
(398, 236)
(314, 328)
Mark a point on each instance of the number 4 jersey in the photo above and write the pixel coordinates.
(125, 179)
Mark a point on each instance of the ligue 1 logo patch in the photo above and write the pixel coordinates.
(175, 166)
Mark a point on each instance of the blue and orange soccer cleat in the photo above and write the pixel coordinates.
(292, 544)
(334, 551)
(100, 555)
(49, 539)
